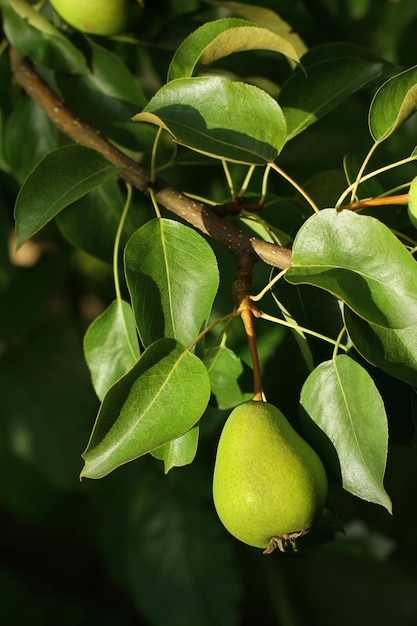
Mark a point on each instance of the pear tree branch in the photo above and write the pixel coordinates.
(195, 213)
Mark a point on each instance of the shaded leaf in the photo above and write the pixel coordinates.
(158, 525)
(224, 119)
(394, 102)
(31, 34)
(180, 451)
(27, 126)
(158, 400)
(342, 400)
(102, 205)
(215, 40)
(173, 278)
(358, 259)
(62, 177)
(230, 378)
(329, 75)
(111, 346)
(392, 350)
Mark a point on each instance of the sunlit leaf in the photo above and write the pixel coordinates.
(394, 102)
(393, 350)
(158, 400)
(341, 399)
(173, 278)
(62, 177)
(111, 346)
(358, 259)
(220, 118)
(215, 40)
(269, 19)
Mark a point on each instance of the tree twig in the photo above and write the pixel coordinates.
(195, 213)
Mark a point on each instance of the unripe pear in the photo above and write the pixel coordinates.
(269, 485)
(98, 17)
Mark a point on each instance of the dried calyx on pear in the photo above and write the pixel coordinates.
(269, 485)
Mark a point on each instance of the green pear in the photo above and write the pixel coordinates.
(412, 202)
(98, 17)
(269, 485)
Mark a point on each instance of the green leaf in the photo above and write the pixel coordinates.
(329, 75)
(269, 19)
(358, 259)
(342, 400)
(172, 275)
(158, 400)
(180, 451)
(62, 177)
(215, 40)
(155, 525)
(224, 119)
(412, 202)
(45, 401)
(230, 379)
(394, 102)
(27, 126)
(111, 346)
(34, 36)
(392, 350)
(106, 97)
(102, 205)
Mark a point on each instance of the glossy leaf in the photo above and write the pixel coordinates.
(393, 350)
(358, 259)
(342, 400)
(394, 102)
(158, 400)
(230, 379)
(62, 177)
(220, 118)
(173, 278)
(269, 19)
(111, 346)
(215, 40)
(31, 34)
(180, 451)
(328, 76)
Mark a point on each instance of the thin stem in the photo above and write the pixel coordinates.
(155, 203)
(297, 327)
(296, 186)
(229, 179)
(361, 170)
(268, 287)
(265, 183)
(338, 340)
(246, 182)
(153, 156)
(381, 170)
(115, 267)
(117, 242)
(210, 327)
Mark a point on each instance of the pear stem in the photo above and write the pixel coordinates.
(241, 294)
